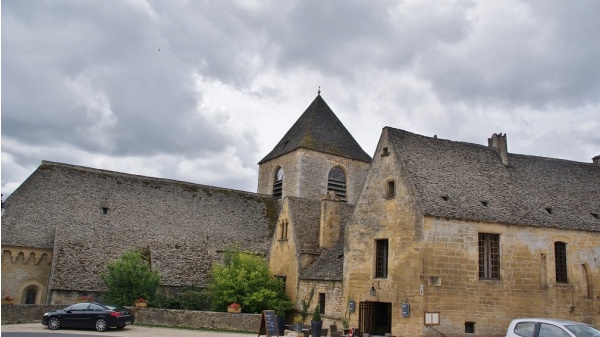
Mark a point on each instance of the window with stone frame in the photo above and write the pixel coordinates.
(283, 230)
(560, 262)
(381, 258)
(489, 256)
(322, 303)
(336, 182)
(278, 182)
(390, 189)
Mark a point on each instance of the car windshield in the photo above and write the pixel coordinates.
(583, 330)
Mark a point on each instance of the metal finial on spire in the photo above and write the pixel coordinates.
(319, 92)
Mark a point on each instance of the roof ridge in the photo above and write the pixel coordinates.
(141, 177)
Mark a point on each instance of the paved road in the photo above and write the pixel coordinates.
(37, 329)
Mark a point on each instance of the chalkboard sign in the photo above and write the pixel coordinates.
(268, 324)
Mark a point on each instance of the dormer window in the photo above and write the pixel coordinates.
(278, 182)
(337, 182)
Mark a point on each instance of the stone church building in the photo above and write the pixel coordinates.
(428, 236)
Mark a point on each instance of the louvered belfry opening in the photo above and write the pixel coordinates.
(278, 183)
(337, 182)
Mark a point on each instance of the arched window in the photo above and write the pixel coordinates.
(337, 182)
(278, 183)
(30, 296)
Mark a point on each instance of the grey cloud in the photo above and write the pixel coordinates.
(540, 60)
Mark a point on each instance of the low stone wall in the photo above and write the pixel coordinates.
(23, 313)
(198, 319)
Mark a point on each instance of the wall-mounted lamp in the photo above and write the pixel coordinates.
(372, 292)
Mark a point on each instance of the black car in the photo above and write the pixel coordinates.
(89, 315)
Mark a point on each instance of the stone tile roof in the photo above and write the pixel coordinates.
(184, 225)
(319, 129)
(468, 181)
(306, 216)
(329, 266)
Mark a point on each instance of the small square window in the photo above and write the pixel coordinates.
(469, 327)
(390, 191)
(104, 210)
(385, 152)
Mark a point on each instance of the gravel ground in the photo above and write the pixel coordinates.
(130, 331)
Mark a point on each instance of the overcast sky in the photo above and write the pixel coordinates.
(200, 91)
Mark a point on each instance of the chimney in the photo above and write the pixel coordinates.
(330, 220)
(498, 142)
(596, 160)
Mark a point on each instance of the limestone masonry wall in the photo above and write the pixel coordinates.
(23, 269)
(305, 174)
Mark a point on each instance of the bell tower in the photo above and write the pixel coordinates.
(315, 156)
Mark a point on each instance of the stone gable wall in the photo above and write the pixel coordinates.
(283, 254)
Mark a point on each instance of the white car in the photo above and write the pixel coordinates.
(547, 327)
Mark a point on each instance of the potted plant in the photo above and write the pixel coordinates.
(281, 309)
(234, 308)
(316, 325)
(8, 300)
(82, 299)
(298, 325)
(141, 302)
(346, 318)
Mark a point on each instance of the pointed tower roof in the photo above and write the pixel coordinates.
(319, 129)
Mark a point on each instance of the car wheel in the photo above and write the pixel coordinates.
(53, 323)
(101, 324)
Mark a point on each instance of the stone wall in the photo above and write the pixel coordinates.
(527, 284)
(333, 300)
(305, 174)
(14, 314)
(95, 215)
(283, 255)
(24, 269)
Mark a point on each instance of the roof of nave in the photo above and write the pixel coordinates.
(319, 129)
(468, 181)
(87, 214)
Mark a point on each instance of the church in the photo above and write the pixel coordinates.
(427, 236)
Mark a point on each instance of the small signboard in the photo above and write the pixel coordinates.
(432, 318)
(268, 324)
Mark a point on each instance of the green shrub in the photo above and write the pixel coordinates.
(245, 279)
(130, 277)
(187, 298)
